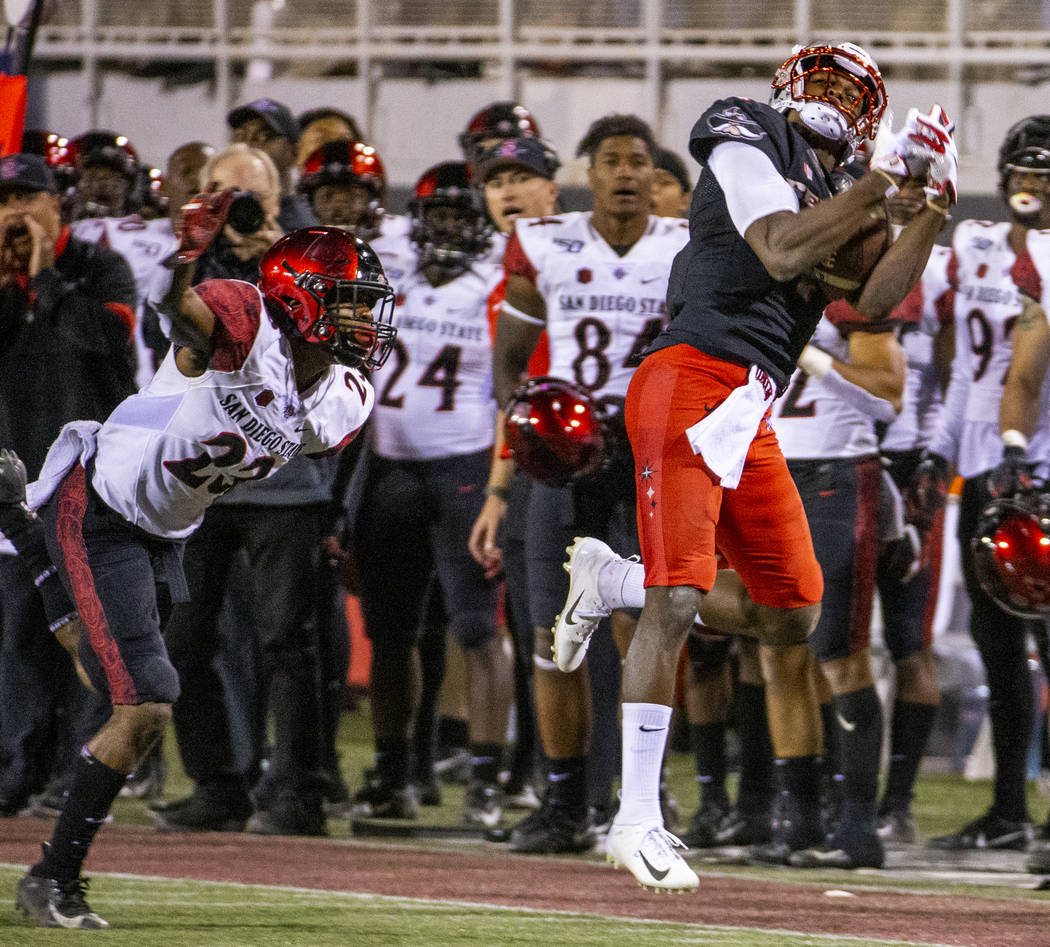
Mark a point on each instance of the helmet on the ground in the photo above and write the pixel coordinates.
(314, 273)
(449, 222)
(822, 113)
(556, 431)
(1011, 552)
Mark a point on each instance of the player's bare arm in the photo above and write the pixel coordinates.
(877, 364)
(790, 244)
(1029, 360)
(516, 335)
(192, 322)
(902, 265)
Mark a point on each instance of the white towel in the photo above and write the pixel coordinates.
(75, 443)
(724, 436)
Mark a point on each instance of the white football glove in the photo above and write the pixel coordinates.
(905, 153)
(942, 175)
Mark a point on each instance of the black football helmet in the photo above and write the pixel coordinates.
(556, 432)
(312, 276)
(105, 196)
(1011, 552)
(495, 122)
(449, 221)
(1026, 147)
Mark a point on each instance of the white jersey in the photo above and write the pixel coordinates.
(927, 308)
(145, 244)
(603, 309)
(165, 454)
(987, 276)
(812, 422)
(434, 394)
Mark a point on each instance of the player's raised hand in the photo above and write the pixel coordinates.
(12, 478)
(203, 217)
(938, 135)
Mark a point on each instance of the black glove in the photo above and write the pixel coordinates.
(926, 492)
(1014, 473)
(12, 478)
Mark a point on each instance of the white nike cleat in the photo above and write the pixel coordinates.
(648, 851)
(584, 607)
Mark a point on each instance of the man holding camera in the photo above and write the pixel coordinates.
(276, 523)
(66, 315)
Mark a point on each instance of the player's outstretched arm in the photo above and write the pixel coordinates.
(522, 318)
(1029, 360)
(902, 265)
(192, 322)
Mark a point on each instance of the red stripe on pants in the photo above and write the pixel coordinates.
(72, 504)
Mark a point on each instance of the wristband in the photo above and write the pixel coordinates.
(815, 362)
(1014, 438)
(495, 490)
(894, 187)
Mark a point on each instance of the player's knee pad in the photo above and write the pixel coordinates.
(472, 629)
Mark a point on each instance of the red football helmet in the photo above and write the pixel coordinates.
(824, 114)
(1011, 552)
(556, 432)
(312, 273)
(348, 163)
(497, 121)
(449, 222)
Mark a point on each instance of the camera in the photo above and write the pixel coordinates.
(246, 214)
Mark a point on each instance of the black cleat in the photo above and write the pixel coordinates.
(745, 827)
(203, 811)
(897, 826)
(48, 902)
(846, 850)
(379, 800)
(289, 815)
(704, 826)
(989, 831)
(553, 829)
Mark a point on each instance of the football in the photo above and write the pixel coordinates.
(845, 270)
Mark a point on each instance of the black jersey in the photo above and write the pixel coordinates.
(721, 298)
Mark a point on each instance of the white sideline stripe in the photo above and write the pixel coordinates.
(316, 894)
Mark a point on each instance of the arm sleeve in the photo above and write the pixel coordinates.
(237, 308)
(752, 185)
(944, 440)
(516, 261)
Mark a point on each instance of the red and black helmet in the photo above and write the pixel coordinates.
(313, 273)
(497, 121)
(556, 432)
(100, 148)
(348, 163)
(451, 240)
(1011, 552)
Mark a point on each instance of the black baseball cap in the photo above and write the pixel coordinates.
(277, 115)
(667, 160)
(26, 172)
(312, 115)
(530, 153)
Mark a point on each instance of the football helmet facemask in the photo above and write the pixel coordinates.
(494, 122)
(348, 163)
(104, 195)
(330, 289)
(449, 222)
(1011, 552)
(556, 432)
(823, 113)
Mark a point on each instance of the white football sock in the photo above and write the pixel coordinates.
(621, 583)
(645, 728)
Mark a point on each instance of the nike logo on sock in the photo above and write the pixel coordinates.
(658, 875)
(646, 729)
(844, 723)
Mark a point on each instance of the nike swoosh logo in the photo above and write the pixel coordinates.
(984, 842)
(844, 723)
(658, 875)
(646, 729)
(572, 610)
(651, 279)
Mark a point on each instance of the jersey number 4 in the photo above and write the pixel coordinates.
(440, 373)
